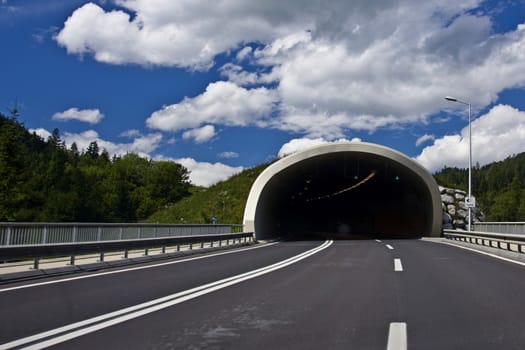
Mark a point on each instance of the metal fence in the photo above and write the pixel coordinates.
(500, 227)
(505, 241)
(50, 233)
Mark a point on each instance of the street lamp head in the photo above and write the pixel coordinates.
(450, 98)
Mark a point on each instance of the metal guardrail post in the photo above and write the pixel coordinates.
(36, 263)
(72, 260)
(8, 238)
(126, 254)
(102, 256)
(44, 235)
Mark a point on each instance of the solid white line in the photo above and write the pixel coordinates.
(397, 265)
(389, 246)
(134, 268)
(485, 253)
(132, 312)
(397, 336)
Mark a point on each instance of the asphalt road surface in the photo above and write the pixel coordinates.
(363, 294)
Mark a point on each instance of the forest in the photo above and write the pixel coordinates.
(44, 180)
(498, 187)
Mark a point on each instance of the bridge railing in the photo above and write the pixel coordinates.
(71, 250)
(500, 227)
(49, 233)
(507, 241)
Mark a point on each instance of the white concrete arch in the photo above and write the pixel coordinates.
(272, 196)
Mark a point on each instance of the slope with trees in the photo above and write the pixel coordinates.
(498, 187)
(43, 180)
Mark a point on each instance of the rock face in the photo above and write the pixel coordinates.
(455, 212)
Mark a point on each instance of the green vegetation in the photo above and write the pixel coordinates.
(498, 187)
(44, 181)
(224, 200)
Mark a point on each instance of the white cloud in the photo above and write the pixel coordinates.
(495, 136)
(297, 145)
(91, 116)
(425, 138)
(244, 53)
(130, 133)
(43, 133)
(142, 145)
(228, 155)
(200, 135)
(206, 174)
(184, 33)
(222, 103)
(237, 75)
(353, 65)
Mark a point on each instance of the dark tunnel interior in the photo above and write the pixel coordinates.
(346, 195)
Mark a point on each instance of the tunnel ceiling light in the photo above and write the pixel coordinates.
(362, 182)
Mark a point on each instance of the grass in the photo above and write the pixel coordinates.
(225, 201)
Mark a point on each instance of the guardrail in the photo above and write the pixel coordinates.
(500, 227)
(507, 241)
(45, 233)
(39, 251)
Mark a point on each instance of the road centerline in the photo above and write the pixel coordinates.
(398, 266)
(397, 336)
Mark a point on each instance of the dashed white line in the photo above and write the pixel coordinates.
(378, 240)
(397, 265)
(397, 336)
(389, 247)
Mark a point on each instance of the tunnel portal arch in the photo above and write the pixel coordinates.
(344, 190)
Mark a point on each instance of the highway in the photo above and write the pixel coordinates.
(361, 294)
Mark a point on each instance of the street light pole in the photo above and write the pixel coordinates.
(469, 198)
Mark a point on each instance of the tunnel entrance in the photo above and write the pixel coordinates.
(344, 191)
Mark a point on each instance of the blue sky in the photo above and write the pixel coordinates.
(224, 87)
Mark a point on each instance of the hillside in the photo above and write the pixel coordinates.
(224, 200)
(43, 180)
(498, 188)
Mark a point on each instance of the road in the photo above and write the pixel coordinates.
(365, 294)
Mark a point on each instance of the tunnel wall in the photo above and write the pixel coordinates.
(257, 216)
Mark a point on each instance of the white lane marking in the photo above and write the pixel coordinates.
(397, 336)
(134, 268)
(389, 246)
(397, 265)
(132, 312)
(378, 240)
(485, 253)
